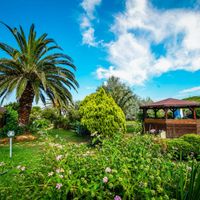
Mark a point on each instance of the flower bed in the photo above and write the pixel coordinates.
(121, 168)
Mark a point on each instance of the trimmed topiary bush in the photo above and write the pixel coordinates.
(101, 115)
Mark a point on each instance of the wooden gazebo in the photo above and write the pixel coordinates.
(174, 127)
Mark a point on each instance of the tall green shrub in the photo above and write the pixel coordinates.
(11, 121)
(101, 115)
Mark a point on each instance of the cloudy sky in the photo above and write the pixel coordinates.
(152, 45)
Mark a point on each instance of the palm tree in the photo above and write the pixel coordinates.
(34, 71)
(123, 96)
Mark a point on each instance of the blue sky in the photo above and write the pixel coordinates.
(153, 46)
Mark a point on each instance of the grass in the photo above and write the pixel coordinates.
(29, 154)
(26, 154)
(68, 136)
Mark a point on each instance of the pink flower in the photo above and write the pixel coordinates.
(59, 157)
(58, 186)
(117, 197)
(108, 170)
(105, 179)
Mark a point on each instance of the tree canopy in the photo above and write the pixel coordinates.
(123, 96)
(35, 70)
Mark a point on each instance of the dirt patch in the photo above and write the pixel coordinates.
(19, 138)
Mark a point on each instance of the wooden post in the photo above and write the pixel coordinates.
(144, 113)
(144, 116)
(166, 110)
(155, 112)
(194, 113)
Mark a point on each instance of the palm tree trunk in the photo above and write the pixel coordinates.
(25, 105)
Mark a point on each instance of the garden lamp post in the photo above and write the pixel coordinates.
(11, 134)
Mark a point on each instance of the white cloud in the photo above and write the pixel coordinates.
(141, 25)
(89, 7)
(88, 37)
(87, 18)
(190, 90)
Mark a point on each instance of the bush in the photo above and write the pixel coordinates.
(100, 114)
(80, 129)
(50, 114)
(179, 148)
(36, 113)
(39, 124)
(194, 140)
(133, 127)
(11, 122)
(62, 122)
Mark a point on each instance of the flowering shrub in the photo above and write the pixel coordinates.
(121, 168)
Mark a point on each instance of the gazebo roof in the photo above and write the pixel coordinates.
(172, 103)
(2, 110)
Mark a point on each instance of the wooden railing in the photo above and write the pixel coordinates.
(172, 121)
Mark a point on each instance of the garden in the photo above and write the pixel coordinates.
(90, 149)
(74, 156)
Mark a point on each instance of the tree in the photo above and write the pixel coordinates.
(101, 115)
(35, 72)
(123, 96)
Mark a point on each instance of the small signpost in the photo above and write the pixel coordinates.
(11, 134)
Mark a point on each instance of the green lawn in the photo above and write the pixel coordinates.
(67, 136)
(29, 154)
(26, 154)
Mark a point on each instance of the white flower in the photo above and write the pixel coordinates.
(108, 170)
(61, 176)
(2, 164)
(59, 170)
(59, 157)
(19, 167)
(189, 168)
(62, 170)
(50, 174)
(23, 168)
(94, 134)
